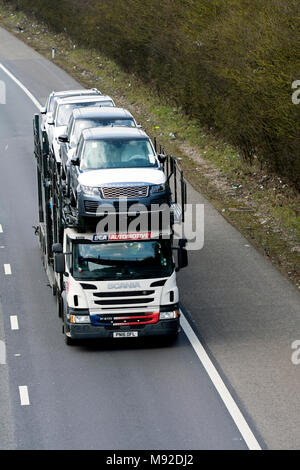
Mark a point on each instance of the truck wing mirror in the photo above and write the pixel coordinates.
(182, 254)
(43, 110)
(182, 259)
(63, 138)
(59, 263)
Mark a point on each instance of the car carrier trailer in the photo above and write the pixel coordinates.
(107, 284)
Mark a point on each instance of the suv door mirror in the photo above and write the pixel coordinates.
(75, 161)
(63, 138)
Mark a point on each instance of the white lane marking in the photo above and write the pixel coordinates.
(1, 229)
(221, 388)
(24, 395)
(2, 353)
(28, 93)
(7, 269)
(14, 323)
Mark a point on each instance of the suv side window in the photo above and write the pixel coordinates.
(80, 147)
(68, 256)
(70, 125)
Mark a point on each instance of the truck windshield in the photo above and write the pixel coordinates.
(64, 111)
(105, 154)
(122, 260)
(81, 124)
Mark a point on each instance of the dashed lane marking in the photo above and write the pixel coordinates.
(24, 395)
(7, 270)
(14, 323)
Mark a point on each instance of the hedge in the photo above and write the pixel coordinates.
(230, 63)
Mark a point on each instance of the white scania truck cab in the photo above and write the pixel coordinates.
(117, 285)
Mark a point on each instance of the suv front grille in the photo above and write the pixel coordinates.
(129, 192)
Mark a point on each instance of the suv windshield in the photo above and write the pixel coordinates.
(64, 111)
(104, 154)
(125, 260)
(81, 124)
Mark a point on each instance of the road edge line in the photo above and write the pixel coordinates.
(23, 87)
(220, 386)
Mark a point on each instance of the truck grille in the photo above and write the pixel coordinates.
(129, 192)
(125, 319)
(124, 294)
(112, 302)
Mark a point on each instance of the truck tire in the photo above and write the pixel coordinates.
(68, 341)
(171, 340)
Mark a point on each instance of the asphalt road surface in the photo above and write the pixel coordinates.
(131, 395)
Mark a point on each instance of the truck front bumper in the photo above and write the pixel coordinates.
(88, 331)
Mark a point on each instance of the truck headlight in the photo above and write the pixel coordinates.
(158, 188)
(80, 319)
(168, 315)
(90, 191)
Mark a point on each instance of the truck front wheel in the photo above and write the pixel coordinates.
(68, 340)
(59, 306)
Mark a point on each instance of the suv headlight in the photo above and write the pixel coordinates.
(159, 188)
(90, 191)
